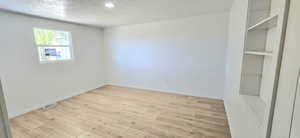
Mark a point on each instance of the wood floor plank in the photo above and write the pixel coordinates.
(119, 112)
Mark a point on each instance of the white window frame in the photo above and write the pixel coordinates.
(54, 61)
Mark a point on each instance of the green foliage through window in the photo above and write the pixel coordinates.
(44, 37)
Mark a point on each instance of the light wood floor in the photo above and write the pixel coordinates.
(116, 112)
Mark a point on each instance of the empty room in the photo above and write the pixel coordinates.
(149, 69)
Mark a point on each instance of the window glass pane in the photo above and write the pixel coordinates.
(54, 53)
(44, 37)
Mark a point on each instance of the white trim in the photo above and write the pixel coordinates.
(4, 116)
(165, 91)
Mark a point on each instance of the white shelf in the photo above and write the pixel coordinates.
(259, 53)
(257, 105)
(265, 24)
(241, 117)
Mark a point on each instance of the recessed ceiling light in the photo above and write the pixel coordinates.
(109, 5)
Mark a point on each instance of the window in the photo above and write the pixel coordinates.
(53, 45)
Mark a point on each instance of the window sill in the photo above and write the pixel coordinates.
(56, 61)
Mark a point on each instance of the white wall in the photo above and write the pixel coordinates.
(235, 49)
(29, 85)
(185, 56)
(288, 94)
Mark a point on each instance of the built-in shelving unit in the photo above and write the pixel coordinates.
(267, 23)
(260, 59)
(259, 53)
(257, 48)
(251, 111)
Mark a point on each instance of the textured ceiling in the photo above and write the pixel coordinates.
(93, 12)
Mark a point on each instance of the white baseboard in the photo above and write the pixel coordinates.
(161, 90)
